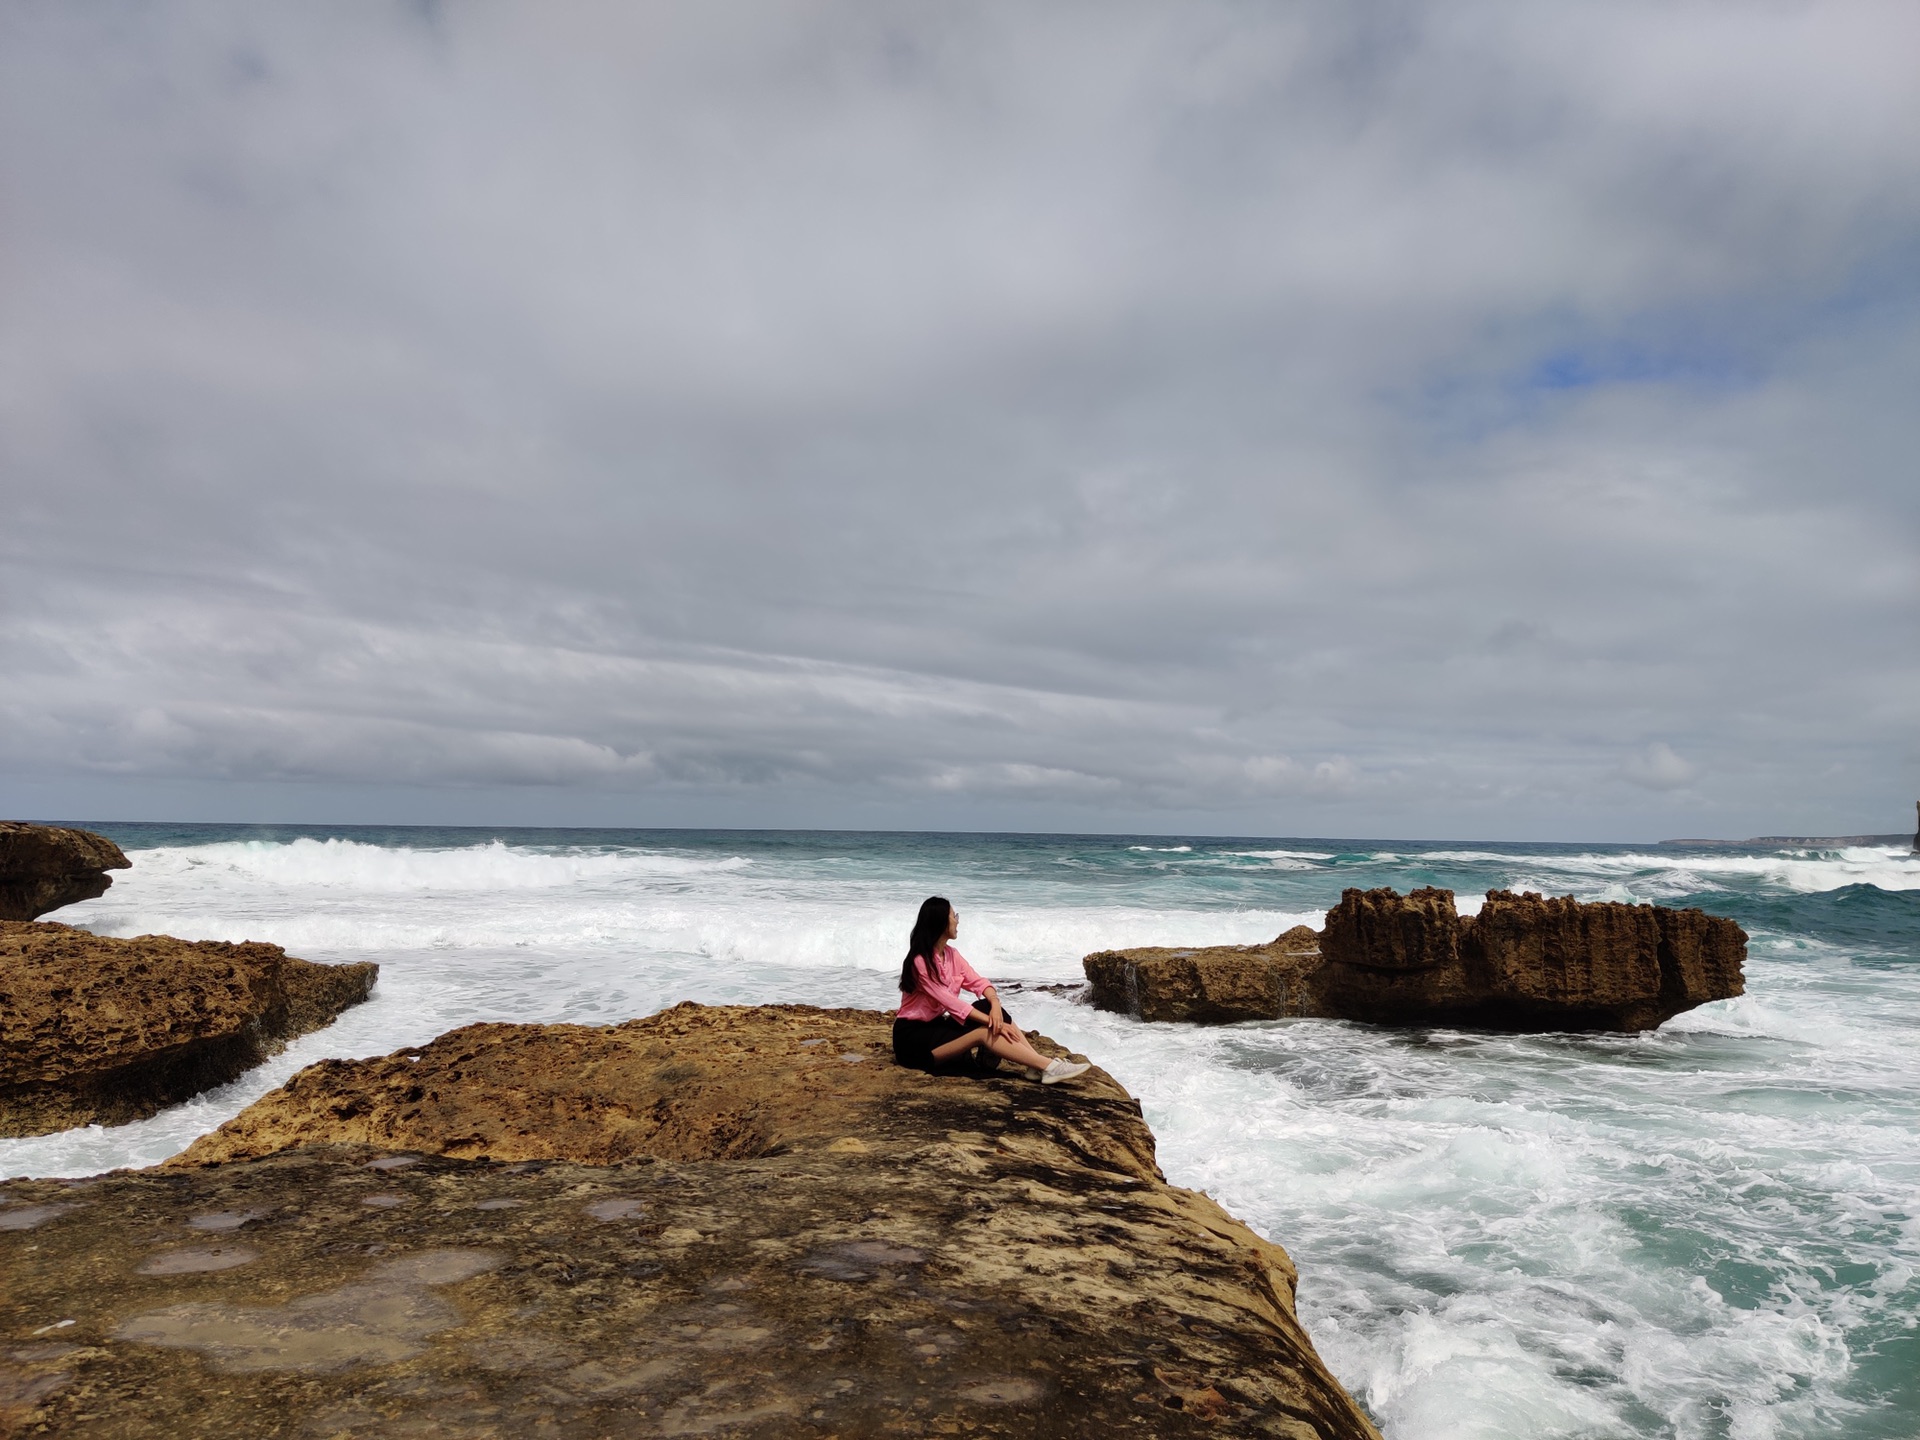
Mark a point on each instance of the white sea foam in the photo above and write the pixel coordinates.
(1283, 859)
(389, 870)
(1482, 1228)
(336, 899)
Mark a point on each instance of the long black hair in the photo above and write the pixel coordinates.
(928, 931)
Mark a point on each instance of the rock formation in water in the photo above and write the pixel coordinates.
(101, 1031)
(1214, 985)
(1524, 963)
(43, 867)
(731, 1221)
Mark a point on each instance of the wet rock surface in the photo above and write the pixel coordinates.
(1524, 963)
(43, 867)
(789, 1244)
(95, 1030)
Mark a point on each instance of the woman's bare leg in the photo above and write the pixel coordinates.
(1018, 1051)
(975, 1037)
(1007, 1026)
(1007, 1048)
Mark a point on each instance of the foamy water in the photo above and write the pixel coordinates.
(1709, 1230)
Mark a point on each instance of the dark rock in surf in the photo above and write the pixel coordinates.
(716, 1220)
(43, 867)
(1524, 963)
(100, 1031)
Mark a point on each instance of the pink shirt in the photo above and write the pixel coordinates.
(938, 994)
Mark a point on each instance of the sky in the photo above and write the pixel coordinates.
(1415, 420)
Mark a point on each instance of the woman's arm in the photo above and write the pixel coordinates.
(997, 1023)
(974, 983)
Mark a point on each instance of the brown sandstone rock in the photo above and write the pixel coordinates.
(1525, 963)
(96, 1030)
(1216, 984)
(1392, 959)
(43, 867)
(1702, 957)
(791, 1237)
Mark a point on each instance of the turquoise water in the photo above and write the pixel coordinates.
(1708, 1230)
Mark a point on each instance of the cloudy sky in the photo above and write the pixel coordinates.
(1438, 420)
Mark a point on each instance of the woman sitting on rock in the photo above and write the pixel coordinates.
(937, 1031)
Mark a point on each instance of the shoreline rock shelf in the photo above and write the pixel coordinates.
(717, 1220)
(100, 1031)
(43, 867)
(1523, 963)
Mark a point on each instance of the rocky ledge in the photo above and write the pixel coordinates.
(43, 867)
(1523, 963)
(95, 1030)
(732, 1221)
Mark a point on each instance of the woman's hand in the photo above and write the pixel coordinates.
(997, 1025)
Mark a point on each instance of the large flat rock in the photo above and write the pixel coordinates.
(1524, 962)
(43, 867)
(96, 1030)
(780, 1233)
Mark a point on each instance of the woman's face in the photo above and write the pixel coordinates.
(953, 923)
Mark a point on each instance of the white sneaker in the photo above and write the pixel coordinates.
(1059, 1070)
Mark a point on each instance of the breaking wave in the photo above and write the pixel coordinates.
(1664, 876)
(305, 863)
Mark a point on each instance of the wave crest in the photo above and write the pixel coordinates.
(354, 865)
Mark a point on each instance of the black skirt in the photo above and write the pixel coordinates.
(914, 1042)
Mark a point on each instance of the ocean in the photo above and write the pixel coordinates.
(1710, 1230)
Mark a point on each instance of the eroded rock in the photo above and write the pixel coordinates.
(95, 1030)
(1524, 963)
(43, 867)
(995, 1258)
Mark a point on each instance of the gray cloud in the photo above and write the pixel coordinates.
(1657, 767)
(1312, 421)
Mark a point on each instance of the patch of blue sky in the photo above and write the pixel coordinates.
(1517, 371)
(1614, 362)
(1728, 347)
